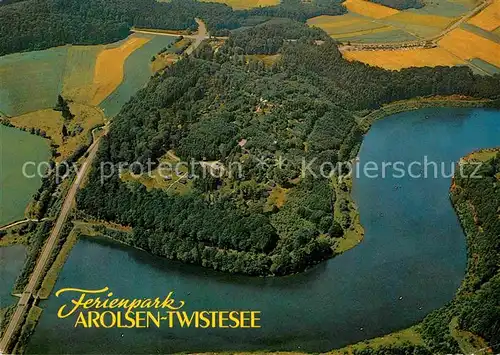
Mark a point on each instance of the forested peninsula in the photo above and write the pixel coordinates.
(225, 104)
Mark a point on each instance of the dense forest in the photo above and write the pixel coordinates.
(477, 304)
(40, 24)
(225, 104)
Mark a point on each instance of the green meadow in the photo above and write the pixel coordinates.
(137, 72)
(31, 81)
(17, 148)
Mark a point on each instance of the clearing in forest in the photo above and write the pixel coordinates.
(109, 66)
(50, 121)
(489, 18)
(246, 4)
(467, 46)
(370, 9)
(398, 59)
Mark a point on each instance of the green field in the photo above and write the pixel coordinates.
(16, 148)
(79, 72)
(386, 36)
(31, 81)
(448, 8)
(137, 72)
(487, 67)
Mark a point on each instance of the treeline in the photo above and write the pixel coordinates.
(401, 4)
(477, 304)
(267, 120)
(39, 24)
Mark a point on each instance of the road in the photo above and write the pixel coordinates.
(37, 276)
(424, 42)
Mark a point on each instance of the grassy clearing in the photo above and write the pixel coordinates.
(246, 4)
(399, 59)
(50, 279)
(16, 148)
(31, 81)
(467, 45)
(369, 9)
(468, 342)
(489, 18)
(268, 60)
(79, 73)
(50, 121)
(13, 239)
(167, 179)
(410, 335)
(109, 67)
(355, 233)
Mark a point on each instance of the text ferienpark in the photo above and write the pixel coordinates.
(106, 311)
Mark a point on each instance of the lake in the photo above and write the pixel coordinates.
(17, 148)
(411, 262)
(11, 262)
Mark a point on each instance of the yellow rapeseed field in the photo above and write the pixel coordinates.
(489, 18)
(398, 59)
(369, 9)
(108, 72)
(467, 45)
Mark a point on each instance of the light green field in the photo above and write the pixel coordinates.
(79, 72)
(382, 37)
(487, 67)
(137, 72)
(16, 148)
(31, 81)
(450, 8)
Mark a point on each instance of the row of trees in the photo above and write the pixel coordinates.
(477, 305)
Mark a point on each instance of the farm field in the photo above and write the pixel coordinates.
(50, 121)
(369, 9)
(136, 73)
(467, 46)
(421, 25)
(31, 81)
(16, 148)
(109, 67)
(79, 73)
(489, 18)
(246, 4)
(357, 28)
(399, 59)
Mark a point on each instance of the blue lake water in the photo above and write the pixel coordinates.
(411, 262)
